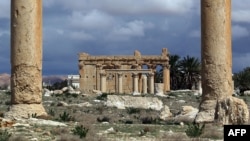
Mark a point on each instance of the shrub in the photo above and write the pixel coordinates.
(4, 135)
(102, 96)
(144, 131)
(150, 120)
(7, 102)
(51, 112)
(133, 110)
(100, 109)
(1, 114)
(75, 95)
(34, 115)
(194, 130)
(103, 119)
(65, 116)
(80, 130)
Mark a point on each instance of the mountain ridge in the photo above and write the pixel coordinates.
(49, 79)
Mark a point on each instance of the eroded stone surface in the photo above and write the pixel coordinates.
(123, 102)
(25, 111)
(230, 110)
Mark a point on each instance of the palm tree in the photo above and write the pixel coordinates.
(190, 69)
(174, 71)
(242, 79)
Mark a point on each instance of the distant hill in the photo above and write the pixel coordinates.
(54, 78)
(5, 79)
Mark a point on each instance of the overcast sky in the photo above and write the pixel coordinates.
(118, 27)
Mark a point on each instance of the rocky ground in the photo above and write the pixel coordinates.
(109, 117)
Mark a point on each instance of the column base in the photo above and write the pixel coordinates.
(229, 110)
(25, 111)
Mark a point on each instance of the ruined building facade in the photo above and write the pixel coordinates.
(122, 74)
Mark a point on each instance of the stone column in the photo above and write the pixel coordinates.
(98, 71)
(135, 82)
(151, 83)
(166, 78)
(26, 59)
(199, 86)
(144, 84)
(82, 75)
(103, 82)
(120, 89)
(217, 103)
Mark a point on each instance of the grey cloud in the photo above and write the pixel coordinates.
(241, 16)
(131, 29)
(80, 35)
(92, 20)
(240, 61)
(239, 31)
(195, 33)
(132, 6)
(5, 9)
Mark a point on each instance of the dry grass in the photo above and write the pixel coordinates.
(127, 123)
(69, 137)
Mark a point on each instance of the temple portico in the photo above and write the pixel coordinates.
(122, 74)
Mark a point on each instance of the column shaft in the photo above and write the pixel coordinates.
(151, 83)
(166, 78)
(135, 82)
(120, 89)
(216, 49)
(144, 84)
(26, 51)
(218, 105)
(103, 82)
(26, 59)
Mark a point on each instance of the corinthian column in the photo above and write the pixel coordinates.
(144, 84)
(26, 58)
(166, 78)
(135, 82)
(217, 101)
(120, 89)
(151, 83)
(103, 82)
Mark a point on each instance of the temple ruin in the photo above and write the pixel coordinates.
(122, 74)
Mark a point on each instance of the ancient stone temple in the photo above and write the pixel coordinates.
(26, 59)
(122, 74)
(218, 104)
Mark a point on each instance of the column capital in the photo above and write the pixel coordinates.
(80, 64)
(135, 74)
(151, 74)
(151, 66)
(99, 66)
(119, 74)
(103, 73)
(165, 66)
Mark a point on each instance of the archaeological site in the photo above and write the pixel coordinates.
(127, 106)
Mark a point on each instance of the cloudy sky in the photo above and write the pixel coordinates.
(118, 27)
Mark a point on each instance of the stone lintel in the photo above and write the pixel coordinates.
(128, 70)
